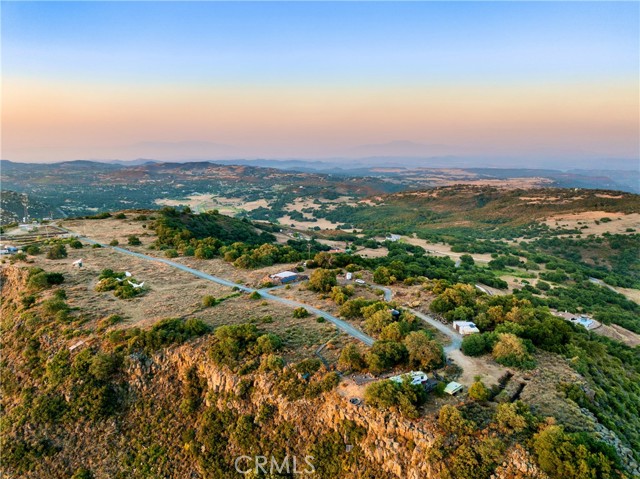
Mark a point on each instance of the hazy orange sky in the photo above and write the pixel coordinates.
(317, 80)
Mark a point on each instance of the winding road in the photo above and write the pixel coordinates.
(456, 338)
(339, 323)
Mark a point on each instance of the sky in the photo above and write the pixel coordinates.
(517, 81)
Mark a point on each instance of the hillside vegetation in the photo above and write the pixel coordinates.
(476, 211)
(178, 400)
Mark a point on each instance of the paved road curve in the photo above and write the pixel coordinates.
(339, 323)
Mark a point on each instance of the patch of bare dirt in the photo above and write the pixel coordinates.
(619, 223)
(483, 366)
(619, 333)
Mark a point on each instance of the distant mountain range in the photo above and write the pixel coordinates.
(380, 167)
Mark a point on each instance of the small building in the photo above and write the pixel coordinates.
(393, 237)
(285, 277)
(349, 276)
(8, 249)
(465, 327)
(579, 319)
(416, 377)
(453, 388)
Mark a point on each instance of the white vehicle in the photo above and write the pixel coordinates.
(360, 281)
(416, 377)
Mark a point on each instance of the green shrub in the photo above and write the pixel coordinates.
(563, 456)
(32, 249)
(82, 473)
(300, 313)
(474, 345)
(268, 343)
(209, 301)
(511, 351)
(390, 394)
(109, 321)
(118, 283)
(38, 280)
(133, 240)
(451, 420)
(541, 285)
(424, 353)
(308, 366)
(322, 280)
(54, 278)
(75, 244)
(19, 257)
(272, 362)
(57, 251)
(351, 359)
(51, 307)
(479, 392)
(233, 343)
(167, 331)
(114, 242)
(384, 355)
(48, 408)
(28, 300)
(171, 253)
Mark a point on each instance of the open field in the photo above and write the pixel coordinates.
(306, 225)
(619, 333)
(619, 223)
(440, 249)
(171, 293)
(105, 230)
(176, 294)
(206, 202)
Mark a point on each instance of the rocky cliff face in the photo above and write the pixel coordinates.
(397, 446)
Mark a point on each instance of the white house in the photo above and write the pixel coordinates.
(393, 237)
(465, 327)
